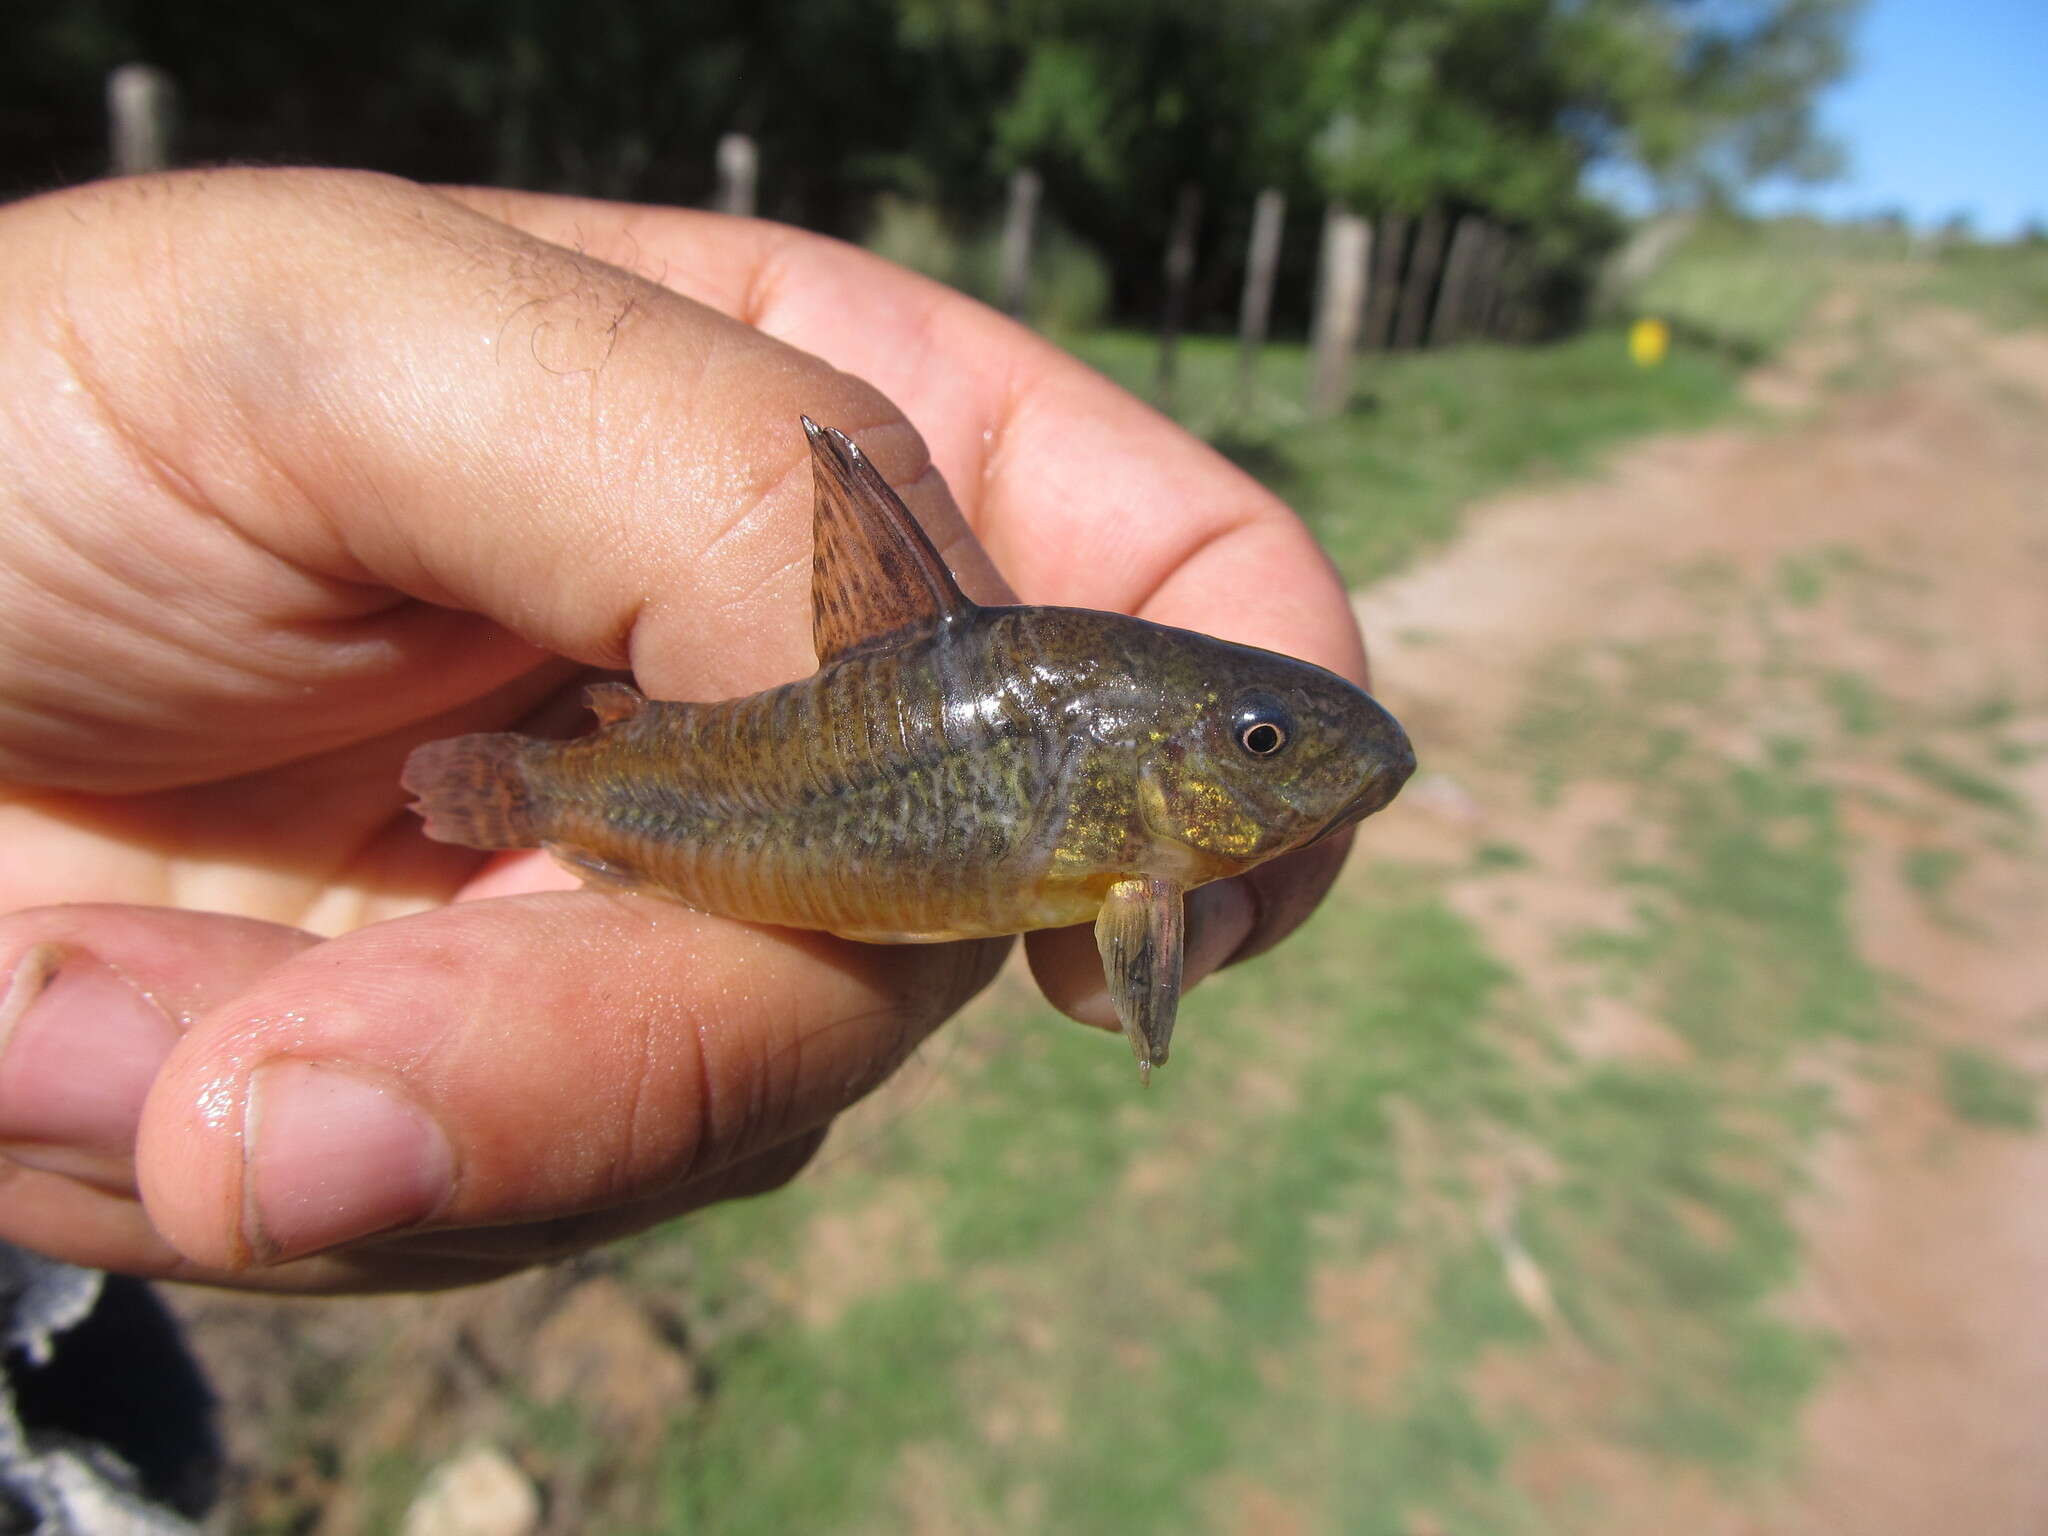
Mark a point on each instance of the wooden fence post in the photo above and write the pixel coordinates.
(1018, 220)
(140, 103)
(1180, 276)
(739, 168)
(1491, 280)
(1340, 307)
(1448, 322)
(1262, 264)
(1415, 291)
(1386, 281)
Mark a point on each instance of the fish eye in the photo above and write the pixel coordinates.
(1262, 725)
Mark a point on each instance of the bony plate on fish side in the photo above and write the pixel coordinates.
(950, 771)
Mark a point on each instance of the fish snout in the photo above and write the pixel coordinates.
(1394, 771)
(1391, 763)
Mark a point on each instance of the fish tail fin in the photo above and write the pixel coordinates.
(473, 790)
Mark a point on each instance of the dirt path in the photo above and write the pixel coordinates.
(1891, 543)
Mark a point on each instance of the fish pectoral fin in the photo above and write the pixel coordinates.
(875, 577)
(598, 871)
(1142, 935)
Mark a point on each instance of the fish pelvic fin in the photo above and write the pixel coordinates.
(472, 790)
(1142, 933)
(875, 576)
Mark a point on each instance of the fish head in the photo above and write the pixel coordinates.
(1263, 753)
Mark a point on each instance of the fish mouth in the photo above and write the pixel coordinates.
(1376, 794)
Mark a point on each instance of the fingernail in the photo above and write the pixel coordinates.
(1220, 916)
(333, 1157)
(79, 1047)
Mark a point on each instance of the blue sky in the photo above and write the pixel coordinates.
(1945, 110)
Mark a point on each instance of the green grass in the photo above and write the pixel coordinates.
(1806, 577)
(1965, 783)
(1129, 1304)
(1930, 871)
(1284, 1267)
(1859, 708)
(2007, 284)
(1429, 432)
(1983, 1090)
(1748, 286)
(1052, 1267)
(1494, 854)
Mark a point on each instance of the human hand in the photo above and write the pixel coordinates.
(299, 469)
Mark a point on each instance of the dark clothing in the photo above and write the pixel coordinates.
(106, 1426)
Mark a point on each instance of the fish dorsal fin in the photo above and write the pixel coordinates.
(875, 577)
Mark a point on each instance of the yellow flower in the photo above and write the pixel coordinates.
(1648, 340)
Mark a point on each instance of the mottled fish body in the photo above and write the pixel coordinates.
(950, 771)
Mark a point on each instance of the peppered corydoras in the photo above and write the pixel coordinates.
(949, 771)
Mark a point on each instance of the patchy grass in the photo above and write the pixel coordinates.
(1092, 1355)
(1430, 432)
(1386, 1231)
(1859, 708)
(2007, 284)
(1971, 785)
(1494, 854)
(1105, 1347)
(1298, 1261)
(1746, 286)
(1745, 933)
(1804, 578)
(1930, 871)
(1984, 1090)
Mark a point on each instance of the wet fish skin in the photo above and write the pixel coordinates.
(950, 771)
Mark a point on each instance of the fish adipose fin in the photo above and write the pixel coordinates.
(875, 577)
(1142, 934)
(472, 790)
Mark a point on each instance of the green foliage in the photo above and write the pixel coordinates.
(1069, 290)
(1494, 106)
(1715, 97)
(1502, 103)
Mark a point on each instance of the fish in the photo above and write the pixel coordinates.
(951, 770)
